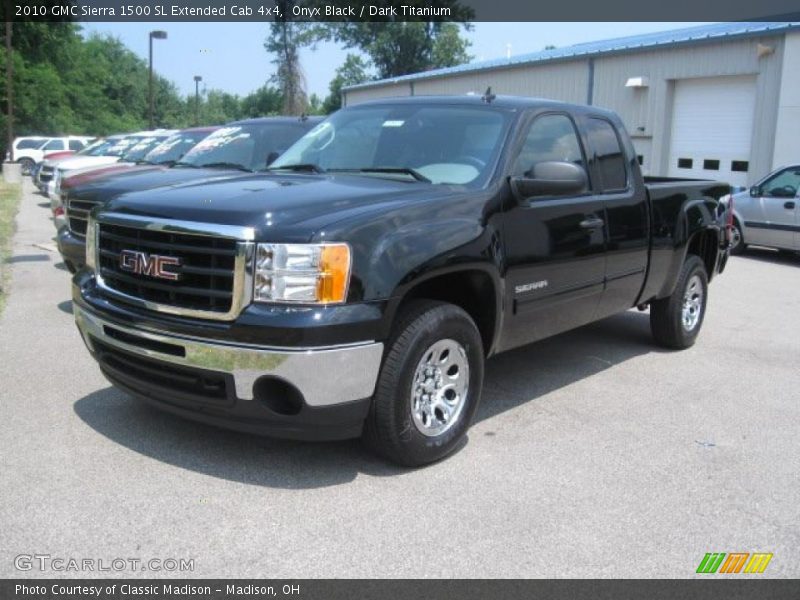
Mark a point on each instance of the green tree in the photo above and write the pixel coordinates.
(399, 48)
(352, 71)
(266, 100)
(220, 107)
(285, 40)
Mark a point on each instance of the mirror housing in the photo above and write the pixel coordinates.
(755, 192)
(551, 178)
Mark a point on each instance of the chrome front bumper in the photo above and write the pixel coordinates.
(325, 376)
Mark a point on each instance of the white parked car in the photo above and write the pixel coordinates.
(768, 214)
(28, 151)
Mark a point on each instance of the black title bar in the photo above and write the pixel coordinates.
(399, 10)
(712, 588)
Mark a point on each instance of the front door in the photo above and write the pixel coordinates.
(554, 245)
(774, 222)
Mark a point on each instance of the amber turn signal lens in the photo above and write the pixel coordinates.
(334, 266)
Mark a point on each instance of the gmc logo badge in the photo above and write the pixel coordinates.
(151, 265)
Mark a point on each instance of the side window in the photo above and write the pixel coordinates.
(54, 145)
(608, 154)
(549, 138)
(783, 185)
(75, 145)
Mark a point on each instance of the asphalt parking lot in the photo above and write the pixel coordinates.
(594, 454)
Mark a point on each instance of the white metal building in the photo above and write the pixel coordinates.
(719, 101)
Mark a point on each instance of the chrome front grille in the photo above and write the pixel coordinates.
(214, 278)
(77, 213)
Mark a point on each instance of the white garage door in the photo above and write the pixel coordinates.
(712, 124)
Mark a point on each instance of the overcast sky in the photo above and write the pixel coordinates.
(231, 56)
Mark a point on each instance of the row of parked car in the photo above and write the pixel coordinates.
(77, 182)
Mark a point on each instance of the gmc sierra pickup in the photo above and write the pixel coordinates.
(357, 288)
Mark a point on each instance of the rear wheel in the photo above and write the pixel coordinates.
(26, 165)
(676, 320)
(429, 386)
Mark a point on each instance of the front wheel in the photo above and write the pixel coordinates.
(26, 165)
(676, 320)
(737, 239)
(429, 386)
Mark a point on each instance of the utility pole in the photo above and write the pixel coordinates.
(9, 90)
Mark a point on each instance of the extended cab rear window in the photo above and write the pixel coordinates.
(609, 158)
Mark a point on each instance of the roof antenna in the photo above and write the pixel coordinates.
(304, 117)
(488, 96)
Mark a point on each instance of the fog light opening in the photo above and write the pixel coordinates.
(277, 395)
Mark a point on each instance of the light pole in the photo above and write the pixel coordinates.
(197, 80)
(158, 35)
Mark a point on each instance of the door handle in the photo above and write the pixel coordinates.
(592, 223)
(789, 205)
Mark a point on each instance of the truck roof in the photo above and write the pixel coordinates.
(278, 119)
(498, 101)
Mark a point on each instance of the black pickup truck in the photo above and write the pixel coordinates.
(357, 288)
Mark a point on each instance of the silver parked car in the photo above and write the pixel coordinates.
(767, 214)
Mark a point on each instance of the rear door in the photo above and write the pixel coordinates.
(554, 245)
(625, 213)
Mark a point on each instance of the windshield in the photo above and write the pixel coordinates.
(141, 148)
(443, 144)
(98, 148)
(249, 146)
(123, 145)
(174, 147)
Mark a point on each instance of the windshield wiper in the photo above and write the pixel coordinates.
(225, 165)
(180, 163)
(308, 167)
(388, 170)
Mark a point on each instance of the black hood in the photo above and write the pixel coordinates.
(106, 188)
(279, 207)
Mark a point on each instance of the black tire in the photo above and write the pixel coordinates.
(667, 314)
(26, 165)
(390, 429)
(737, 239)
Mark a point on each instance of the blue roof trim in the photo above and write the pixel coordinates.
(701, 33)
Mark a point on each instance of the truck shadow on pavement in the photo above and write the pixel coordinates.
(771, 256)
(512, 379)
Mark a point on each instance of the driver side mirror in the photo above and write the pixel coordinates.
(551, 178)
(755, 191)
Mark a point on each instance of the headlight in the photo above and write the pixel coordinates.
(91, 244)
(303, 273)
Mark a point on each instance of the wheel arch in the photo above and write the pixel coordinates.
(475, 289)
(705, 244)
